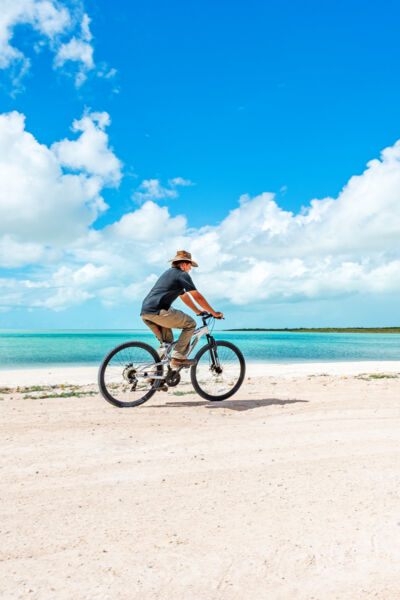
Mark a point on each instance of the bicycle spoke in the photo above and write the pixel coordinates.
(126, 374)
(219, 379)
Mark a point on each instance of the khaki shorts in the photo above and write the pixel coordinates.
(162, 324)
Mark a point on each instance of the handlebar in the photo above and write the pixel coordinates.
(206, 315)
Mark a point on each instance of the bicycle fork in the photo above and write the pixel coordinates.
(213, 352)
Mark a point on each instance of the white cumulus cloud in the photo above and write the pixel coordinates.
(43, 206)
(68, 287)
(179, 181)
(65, 29)
(259, 253)
(149, 223)
(90, 152)
(79, 50)
(151, 189)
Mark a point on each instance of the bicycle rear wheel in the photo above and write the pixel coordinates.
(219, 371)
(125, 375)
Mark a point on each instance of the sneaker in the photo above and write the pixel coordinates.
(182, 362)
(162, 350)
(161, 388)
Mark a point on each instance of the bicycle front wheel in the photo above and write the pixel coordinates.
(126, 375)
(219, 371)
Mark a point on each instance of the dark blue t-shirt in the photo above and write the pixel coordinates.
(173, 283)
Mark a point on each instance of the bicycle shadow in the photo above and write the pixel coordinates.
(238, 405)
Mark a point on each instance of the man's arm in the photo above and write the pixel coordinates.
(204, 304)
(189, 302)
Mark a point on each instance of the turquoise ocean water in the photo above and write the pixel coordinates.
(24, 349)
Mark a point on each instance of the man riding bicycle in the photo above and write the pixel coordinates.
(158, 315)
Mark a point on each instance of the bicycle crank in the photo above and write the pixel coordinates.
(172, 378)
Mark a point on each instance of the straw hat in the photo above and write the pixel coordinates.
(183, 255)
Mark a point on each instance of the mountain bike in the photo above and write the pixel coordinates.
(134, 371)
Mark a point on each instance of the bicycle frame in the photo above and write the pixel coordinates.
(197, 334)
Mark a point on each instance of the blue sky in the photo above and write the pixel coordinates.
(238, 99)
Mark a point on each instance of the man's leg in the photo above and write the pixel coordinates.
(179, 320)
(163, 334)
(188, 325)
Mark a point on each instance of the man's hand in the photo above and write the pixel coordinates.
(216, 315)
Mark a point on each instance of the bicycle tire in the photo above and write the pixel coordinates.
(103, 387)
(197, 384)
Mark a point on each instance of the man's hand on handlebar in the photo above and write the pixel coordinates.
(216, 315)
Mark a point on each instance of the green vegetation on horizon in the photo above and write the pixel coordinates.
(326, 329)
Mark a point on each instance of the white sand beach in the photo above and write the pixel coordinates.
(86, 375)
(289, 490)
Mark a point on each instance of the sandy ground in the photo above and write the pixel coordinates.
(290, 490)
(85, 375)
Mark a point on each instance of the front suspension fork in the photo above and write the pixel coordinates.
(213, 352)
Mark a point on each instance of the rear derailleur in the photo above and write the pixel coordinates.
(129, 374)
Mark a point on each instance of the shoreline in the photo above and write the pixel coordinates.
(373, 330)
(83, 375)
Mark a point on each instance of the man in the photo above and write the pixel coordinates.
(160, 317)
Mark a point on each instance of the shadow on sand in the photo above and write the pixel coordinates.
(238, 405)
